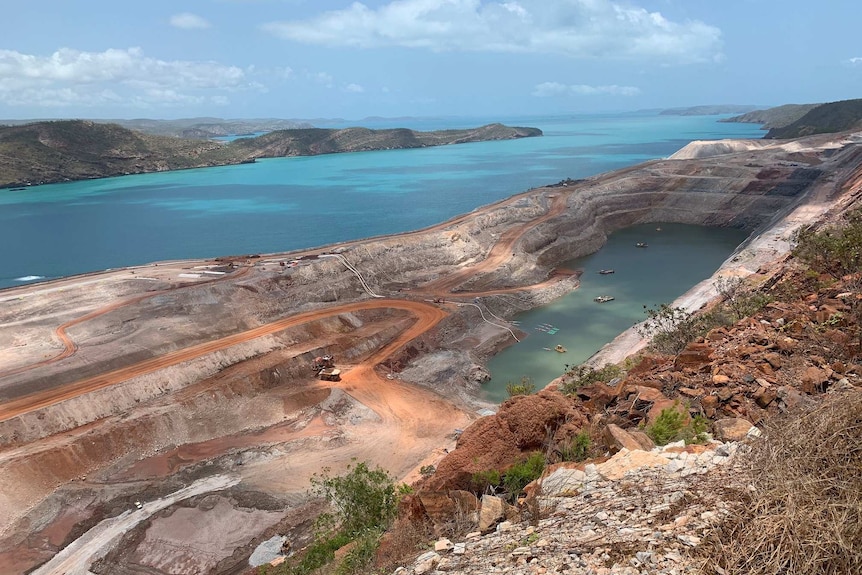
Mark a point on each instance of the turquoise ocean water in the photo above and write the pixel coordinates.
(290, 203)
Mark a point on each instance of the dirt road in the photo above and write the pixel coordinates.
(77, 557)
(427, 316)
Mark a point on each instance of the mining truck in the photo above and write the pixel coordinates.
(330, 374)
(322, 362)
(324, 367)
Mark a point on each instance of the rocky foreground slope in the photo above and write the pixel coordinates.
(47, 152)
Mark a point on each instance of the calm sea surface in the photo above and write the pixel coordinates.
(676, 258)
(290, 203)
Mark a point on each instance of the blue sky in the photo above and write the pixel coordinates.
(331, 58)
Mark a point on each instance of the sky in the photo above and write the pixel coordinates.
(340, 59)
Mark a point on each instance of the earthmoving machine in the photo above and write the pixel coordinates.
(330, 374)
(324, 367)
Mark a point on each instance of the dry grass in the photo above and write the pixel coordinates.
(802, 509)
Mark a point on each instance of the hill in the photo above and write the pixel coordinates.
(776, 117)
(823, 119)
(710, 110)
(47, 152)
(201, 128)
(316, 141)
(75, 150)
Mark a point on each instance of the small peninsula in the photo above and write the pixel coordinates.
(61, 151)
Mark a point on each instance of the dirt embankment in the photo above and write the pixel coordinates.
(197, 378)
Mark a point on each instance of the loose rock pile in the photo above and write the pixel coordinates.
(638, 512)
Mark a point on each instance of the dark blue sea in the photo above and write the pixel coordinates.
(290, 203)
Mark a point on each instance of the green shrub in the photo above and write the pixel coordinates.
(577, 448)
(674, 425)
(582, 375)
(520, 474)
(364, 503)
(315, 556)
(526, 387)
(486, 481)
(361, 554)
(836, 250)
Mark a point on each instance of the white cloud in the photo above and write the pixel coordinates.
(548, 89)
(575, 28)
(116, 76)
(857, 61)
(355, 88)
(321, 78)
(188, 21)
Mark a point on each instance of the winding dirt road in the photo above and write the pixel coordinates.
(427, 317)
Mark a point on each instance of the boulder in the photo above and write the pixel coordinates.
(644, 393)
(617, 466)
(660, 406)
(812, 380)
(529, 417)
(617, 438)
(464, 501)
(644, 440)
(487, 444)
(426, 562)
(764, 396)
(694, 357)
(492, 512)
(562, 479)
(732, 428)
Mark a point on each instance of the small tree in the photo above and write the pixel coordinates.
(740, 301)
(362, 499)
(526, 387)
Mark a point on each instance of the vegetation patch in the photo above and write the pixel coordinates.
(526, 387)
(582, 376)
(674, 425)
(364, 502)
(801, 511)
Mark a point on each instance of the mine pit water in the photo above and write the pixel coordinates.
(676, 258)
(284, 204)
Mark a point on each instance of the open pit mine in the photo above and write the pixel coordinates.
(166, 418)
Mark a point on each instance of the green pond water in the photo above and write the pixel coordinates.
(676, 258)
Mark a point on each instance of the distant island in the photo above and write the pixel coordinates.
(202, 128)
(798, 120)
(709, 110)
(67, 150)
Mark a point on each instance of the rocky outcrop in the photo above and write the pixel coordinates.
(640, 511)
(522, 425)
